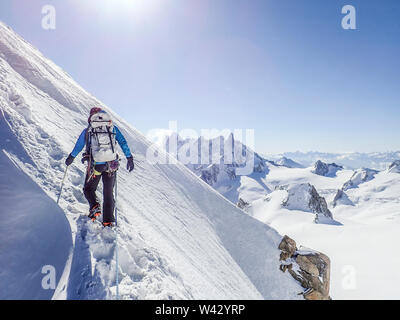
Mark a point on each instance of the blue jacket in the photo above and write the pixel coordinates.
(80, 143)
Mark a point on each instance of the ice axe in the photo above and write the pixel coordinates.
(62, 184)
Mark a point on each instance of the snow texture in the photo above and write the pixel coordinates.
(34, 233)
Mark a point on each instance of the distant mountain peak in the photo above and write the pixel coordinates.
(305, 197)
(359, 176)
(289, 163)
(326, 169)
(395, 166)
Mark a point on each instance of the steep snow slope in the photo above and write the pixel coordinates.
(34, 233)
(177, 238)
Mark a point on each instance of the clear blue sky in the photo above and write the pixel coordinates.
(284, 68)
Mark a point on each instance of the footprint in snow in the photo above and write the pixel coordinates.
(101, 241)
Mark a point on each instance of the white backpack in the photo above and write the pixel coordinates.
(102, 137)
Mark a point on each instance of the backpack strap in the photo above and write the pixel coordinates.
(111, 141)
(88, 141)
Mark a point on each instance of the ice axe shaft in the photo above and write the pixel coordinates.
(62, 185)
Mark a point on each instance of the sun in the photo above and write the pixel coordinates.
(134, 7)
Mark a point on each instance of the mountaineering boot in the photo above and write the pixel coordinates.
(95, 212)
(108, 224)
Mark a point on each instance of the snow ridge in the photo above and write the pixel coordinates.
(178, 238)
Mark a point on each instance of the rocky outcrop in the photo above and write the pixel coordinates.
(395, 167)
(305, 197)
(287, 247)
(210, 175)
(243, 204)
(325, 169)
(318, 204)
(341, 198)
(359, 176)
(310, 268)
(216, 161)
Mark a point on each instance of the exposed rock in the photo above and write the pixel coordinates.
(359, 176)
(210, 175)
(287, 247)
(243, 204)
(307, 265)
(305, 197)
(315, 295)
(325, 169)
(341, 198)
(260, 167)
(318, 204)
(310, 268)
(217, 161)
(395, 167)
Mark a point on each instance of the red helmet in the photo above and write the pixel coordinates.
(93, 111)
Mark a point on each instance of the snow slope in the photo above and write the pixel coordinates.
(286, 162)
(177, 237)
(35, 233)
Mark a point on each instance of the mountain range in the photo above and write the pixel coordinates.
(350, 214)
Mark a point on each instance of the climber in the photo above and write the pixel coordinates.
(103, 162)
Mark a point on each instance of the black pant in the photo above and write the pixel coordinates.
(108, 191)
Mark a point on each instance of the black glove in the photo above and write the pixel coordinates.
(130, 165)
(85, 158)
(69, 160)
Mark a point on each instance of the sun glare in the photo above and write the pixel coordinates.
(128, 6)
(132, 4)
